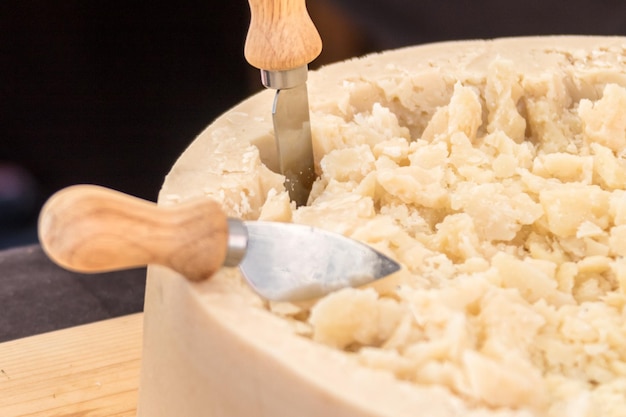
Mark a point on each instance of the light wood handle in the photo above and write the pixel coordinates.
(281, 35)
(87, 228)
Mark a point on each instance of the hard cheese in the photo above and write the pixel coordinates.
(491, 170)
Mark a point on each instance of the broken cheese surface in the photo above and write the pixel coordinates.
(492, 170)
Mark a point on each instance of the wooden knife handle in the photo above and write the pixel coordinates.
(281, 35)
(87, 228)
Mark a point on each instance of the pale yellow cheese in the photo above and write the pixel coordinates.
(493, 171)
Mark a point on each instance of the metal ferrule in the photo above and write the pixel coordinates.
(237, 242)
(282, 80)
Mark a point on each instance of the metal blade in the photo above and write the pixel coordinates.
(291, 262)
(292, 129)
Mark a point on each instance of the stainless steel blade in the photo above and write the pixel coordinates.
(282, 41)
(291, 262)
(292, 129)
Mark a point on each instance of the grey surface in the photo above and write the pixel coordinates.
(36, 296)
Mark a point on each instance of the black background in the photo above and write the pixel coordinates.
(112, 92)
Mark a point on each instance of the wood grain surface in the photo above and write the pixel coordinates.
(85, 371)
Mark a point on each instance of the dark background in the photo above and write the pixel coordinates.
(394, 23)
(111, 92)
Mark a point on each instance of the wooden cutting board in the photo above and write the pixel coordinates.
(85, 371)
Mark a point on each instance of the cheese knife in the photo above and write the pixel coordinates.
(281, 42)
(90, 229)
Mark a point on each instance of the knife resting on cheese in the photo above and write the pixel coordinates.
(90, 229)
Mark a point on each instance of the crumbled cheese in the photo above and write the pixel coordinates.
(510, 221)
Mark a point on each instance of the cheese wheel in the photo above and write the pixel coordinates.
(492, 170)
